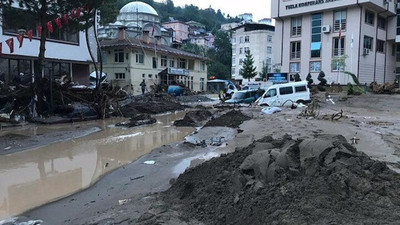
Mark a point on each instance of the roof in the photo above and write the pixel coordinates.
(255, 26)
(135, 43)
(138, 7)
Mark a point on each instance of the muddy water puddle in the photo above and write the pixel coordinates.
(37, 176)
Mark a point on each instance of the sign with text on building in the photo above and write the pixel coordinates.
(277, 78)
(177, 71)
(308, 3)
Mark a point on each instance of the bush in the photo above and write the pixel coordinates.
(350, 90)
(321, 78)
(309, 80)
(297, 77)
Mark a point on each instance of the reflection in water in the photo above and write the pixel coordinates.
(34, 177)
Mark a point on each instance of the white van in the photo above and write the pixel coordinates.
(285, 94)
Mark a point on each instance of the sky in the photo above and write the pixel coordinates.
(259, 8)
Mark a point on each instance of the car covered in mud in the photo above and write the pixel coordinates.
(246, 96)
(285, 94)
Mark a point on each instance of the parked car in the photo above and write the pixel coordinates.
(217, 85)
(246, 96)
(286, 94)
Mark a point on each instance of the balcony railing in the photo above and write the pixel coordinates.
(295, 55)
(338, 51)
(336, 26)
(296, 31)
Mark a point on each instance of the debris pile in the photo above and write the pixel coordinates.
(231, 119)
(319, 180)
(386, 88)
(138, 120)
(193, 118)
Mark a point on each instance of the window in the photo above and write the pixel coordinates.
(271, 93)
(143, 75)
(139, 57)
(380, 46)
(246, 39)
(233, 41)
(381, 23)
(295, 26)
(119, 55)
(233, 61)
(294, 67)
(286, 90)
(269, 50)
(164, 61)
(368, 42)
(191, 64)
(269, 38)
(172, 62)
(338, 47)
(300, 88)
(240, 50)
(246, 49)
(295, 50)
(337, 66)
(315, 66)
(240, 61)
(316, 23)
(182, 63)
(155, 61)
(202, 84)
(120, 76)
(203, 66)
(241, 40)
(150, 76)
(340, 20)
(369, 17)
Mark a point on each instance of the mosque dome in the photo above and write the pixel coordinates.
(138, 7)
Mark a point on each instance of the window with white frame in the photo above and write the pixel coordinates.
(240, 61)
(246, 49)
(295, 26)
(182, 63)
(269, 38)
(369, 17)
(269, 50)
(295, 50)
(164, 61)
(120, 76)
(139, 57)
(203, 66)
(233, 61)
(246, 39)
(338, 48)
(315, 66)
(240, 50)
(380, 46)
(172, 62)
(294, 67)
(241, 40)
(119, 55)
(381, 23)
(368, 42)
(340, 20)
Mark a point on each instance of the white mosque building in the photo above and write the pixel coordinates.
(138, 19)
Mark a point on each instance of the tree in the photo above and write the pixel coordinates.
(310, 80)
(264, 71)
(220, 56)
(248, 70)
(297, 77)
(193, 48)
(322, 81)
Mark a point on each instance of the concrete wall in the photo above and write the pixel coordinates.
(181, 30)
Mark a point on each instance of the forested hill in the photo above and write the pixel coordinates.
(209, 17)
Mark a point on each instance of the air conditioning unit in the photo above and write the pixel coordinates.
(366, 51)
(326, 29)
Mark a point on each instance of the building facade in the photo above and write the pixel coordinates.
(128, 61)
(66, 50)
(181, 30)
(334, 36)
(259, 40)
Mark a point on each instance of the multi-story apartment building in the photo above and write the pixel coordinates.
(128, 61)
(181, 29)
(336, 36)
(66, 50)
(259, 40)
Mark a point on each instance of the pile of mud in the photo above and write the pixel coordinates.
(138, 120)
(151, 104)
(320, 180)
(194, 118)
(230, 119)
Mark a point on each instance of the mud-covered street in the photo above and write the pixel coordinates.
(140, 193)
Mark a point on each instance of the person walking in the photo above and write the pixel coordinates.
(143, 85)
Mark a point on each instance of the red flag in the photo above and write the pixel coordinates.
(20, 39)
(58, 22)
(39, 28)
(78, 12)
(65, 18)
(72, 13)
(30, 35)
(340, 34)
(10, 43)
(50, 26)
(1, 48)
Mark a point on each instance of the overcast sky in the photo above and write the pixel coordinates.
(259, 8)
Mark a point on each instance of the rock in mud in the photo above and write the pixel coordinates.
(319, 180)
(233, 118)
(193, 118)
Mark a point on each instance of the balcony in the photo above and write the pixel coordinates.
(336, 26)
(295, 55)
(296, 31)
(338, 51)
